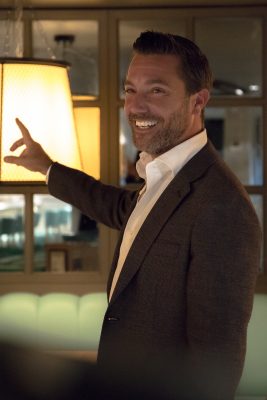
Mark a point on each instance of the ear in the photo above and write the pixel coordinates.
(200, 100)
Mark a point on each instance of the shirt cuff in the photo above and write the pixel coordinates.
(47, 174)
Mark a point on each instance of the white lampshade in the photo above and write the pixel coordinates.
(38, 93)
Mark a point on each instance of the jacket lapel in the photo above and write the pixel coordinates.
(170, 200)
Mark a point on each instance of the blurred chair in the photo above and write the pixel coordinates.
(52, 223)
(19, 230)
(7, 230)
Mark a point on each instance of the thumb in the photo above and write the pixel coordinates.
(12, 160)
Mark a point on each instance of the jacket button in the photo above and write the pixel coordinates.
(113, 319)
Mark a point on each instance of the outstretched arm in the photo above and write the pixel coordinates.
(33, 156)
(103, 203)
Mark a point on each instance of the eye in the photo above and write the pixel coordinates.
(157, 90)
(128, 90)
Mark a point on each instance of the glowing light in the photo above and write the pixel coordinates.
(38, 93)
(239, 92)
(254, 88)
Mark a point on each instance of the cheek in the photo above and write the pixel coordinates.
(167, 105)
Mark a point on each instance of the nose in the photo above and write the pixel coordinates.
(136, 103)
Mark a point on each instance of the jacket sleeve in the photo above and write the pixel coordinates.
(226, 244)
(103, 203)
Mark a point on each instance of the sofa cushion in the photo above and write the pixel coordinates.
(57, 321)
(54, 321)
(18, 317)
(254, 378)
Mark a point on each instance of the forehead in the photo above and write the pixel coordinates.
(154, 66)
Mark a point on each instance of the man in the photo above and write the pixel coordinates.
(183, 276)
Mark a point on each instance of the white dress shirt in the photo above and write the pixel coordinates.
(157, 173)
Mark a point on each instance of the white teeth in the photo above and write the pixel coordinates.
(145, 124)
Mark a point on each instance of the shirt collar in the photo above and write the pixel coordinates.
(175, 158)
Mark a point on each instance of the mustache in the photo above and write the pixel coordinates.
(134, 117)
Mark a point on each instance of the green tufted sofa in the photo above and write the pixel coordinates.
(54, 321)
(65, 322)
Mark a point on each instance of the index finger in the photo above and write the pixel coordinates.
(24, 131)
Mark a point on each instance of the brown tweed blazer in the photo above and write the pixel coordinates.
(185, 294)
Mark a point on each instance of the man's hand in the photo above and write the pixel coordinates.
(33, 157)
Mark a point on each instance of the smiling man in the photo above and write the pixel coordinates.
(159, 107)
(183, 275)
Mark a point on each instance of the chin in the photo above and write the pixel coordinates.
(141, 144)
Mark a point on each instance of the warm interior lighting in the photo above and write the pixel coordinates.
(88, 129)
(79, 97)
(38, 93)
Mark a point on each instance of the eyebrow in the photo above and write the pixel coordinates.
(157, 81)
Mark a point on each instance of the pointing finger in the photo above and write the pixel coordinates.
(24, 131)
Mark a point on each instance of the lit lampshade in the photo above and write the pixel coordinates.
(38, 93)
(87, 121)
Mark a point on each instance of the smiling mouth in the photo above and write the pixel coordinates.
(145, 124)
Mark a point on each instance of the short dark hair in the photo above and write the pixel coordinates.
(194, 71)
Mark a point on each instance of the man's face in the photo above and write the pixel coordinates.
(156, 104)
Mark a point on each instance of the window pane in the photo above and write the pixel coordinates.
(237, 133)
(87, 120)
(257, 201)
(11, 35)
(11, 233)
(75, 42)
(130, 30)
(233, 47)
(64, 239)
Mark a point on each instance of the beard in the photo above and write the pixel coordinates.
(168, 135)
